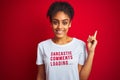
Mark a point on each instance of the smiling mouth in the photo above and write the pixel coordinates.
(59, 31)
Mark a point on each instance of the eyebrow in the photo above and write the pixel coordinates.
(61, 20)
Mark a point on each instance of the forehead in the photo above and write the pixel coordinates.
(60, 16)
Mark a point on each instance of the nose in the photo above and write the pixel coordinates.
(59, 25)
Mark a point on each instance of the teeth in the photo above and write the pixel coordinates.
(59, 31)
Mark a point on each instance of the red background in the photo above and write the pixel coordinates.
(23, 24)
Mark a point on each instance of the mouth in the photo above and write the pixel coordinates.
(59, 31)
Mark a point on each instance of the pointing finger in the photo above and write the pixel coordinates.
(95, 34)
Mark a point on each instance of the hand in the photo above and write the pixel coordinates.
(92, 42)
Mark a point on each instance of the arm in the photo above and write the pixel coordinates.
(84, 71)
(41, 72)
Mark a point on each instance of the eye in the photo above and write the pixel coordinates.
(64, 23)
(55, 22)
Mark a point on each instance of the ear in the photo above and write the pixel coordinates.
(70, 24)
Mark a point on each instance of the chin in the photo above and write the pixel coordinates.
(59, 36)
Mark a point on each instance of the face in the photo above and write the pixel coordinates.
(60, 24)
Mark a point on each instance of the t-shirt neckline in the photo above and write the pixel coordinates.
(64, 45)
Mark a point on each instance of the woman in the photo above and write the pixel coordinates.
(63, 57)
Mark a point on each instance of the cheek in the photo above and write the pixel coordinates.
(66, 29)
(53, 26)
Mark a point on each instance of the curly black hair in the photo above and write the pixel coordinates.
(60, 6)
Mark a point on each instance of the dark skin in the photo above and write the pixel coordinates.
(60, 25)
(41, 72)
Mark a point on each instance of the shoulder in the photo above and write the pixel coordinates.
(79, 41)
(45, 42)
(80, 44)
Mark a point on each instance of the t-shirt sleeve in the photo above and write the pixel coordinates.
(39, 60)
(83, 55)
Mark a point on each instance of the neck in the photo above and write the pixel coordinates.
(62, 41)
